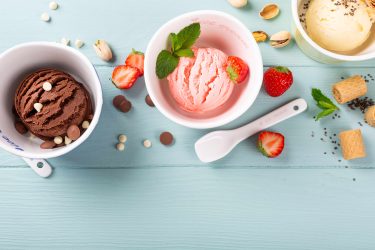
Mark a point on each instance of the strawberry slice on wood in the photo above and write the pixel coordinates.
(124, 76)
(136, 59)
(271, 144)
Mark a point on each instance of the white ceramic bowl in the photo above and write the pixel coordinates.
(218, 30)
(312, 49)
(15, 64)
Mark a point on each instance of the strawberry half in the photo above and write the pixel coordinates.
(237, 69)
(271, 144)
(124, 76)
(277, 80)
(136, 59)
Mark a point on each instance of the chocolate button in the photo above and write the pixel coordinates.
(20, 127)
(73, 132)
(47, 145)
(149, 101)
(122, 104)
(166, 138)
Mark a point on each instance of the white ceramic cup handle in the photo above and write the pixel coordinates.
(40, 166)
(284, 112)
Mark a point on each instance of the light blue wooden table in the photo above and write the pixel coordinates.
(165, 198)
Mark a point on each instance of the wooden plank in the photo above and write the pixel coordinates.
(127, 24)
(185, 208)
(302, 150)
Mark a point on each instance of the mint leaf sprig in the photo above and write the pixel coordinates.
(181, 44)
(324, 103)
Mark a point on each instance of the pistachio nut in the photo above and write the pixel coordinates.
(280, 39)
(238, 3)
(260, 36)
(103, 50)
(269, 11)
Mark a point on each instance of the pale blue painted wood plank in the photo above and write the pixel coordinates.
(187, 208)
(130, 23)
(143, 122)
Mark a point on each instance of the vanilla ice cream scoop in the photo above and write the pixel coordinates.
(338, 25)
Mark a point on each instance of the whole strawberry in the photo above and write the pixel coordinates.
(277, 80)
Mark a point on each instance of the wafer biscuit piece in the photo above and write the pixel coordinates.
(349, 89)
(352, 144)
(370, 116)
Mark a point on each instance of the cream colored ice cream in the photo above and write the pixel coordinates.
(201, 83)
(338, 25)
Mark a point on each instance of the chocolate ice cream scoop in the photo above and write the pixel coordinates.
(65, 104)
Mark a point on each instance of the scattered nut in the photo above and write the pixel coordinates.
(280, 39)
(122, 138)
(147, 143)
(260, 36)
(58, 140)
(53, 5)
(65, 41)
(166, 138)
(67, 140)
(73, 132)
(47, 86)
(38, 107)
(85, 124)
(45, 17)
(269, 11)
(47, 145)
(149, 101)
(103, 50)
(238, 3)
(79, 43)
(120, 146)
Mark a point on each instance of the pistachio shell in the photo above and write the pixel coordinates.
(103, 50)
(260, 36)
(280, 39)
(269, 11)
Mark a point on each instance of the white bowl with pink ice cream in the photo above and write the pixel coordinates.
(199, 93)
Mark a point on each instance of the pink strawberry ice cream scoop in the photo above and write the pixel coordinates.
(201, 83)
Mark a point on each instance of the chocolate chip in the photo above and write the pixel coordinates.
(47, 145)
(73, 132)
(149, 101)
(20, 127)
(121, 103)
(166, 138)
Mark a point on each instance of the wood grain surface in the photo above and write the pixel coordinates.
(165, 198)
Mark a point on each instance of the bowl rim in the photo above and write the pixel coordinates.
(98, 106)
(331, 54)
(228, 117)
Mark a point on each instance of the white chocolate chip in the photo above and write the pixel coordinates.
(53, 5)
(147, 143)
(120, 146)
(58, 140)
(122, 138)
(79, 43)
(47, 86)
(85, 124)
(67, 140)
(45, 17)
(65, 41)
(38, 107)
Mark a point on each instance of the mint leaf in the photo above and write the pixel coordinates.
(184, 53)
(188, 35)
(324, 113)
(324, 103)
(165, 64)
(175, 45)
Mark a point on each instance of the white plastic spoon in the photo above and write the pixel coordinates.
(40, 166)
(218, 144)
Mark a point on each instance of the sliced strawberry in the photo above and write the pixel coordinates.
(124, 77)
(136, 59)
(237, 69)
(271, 144)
